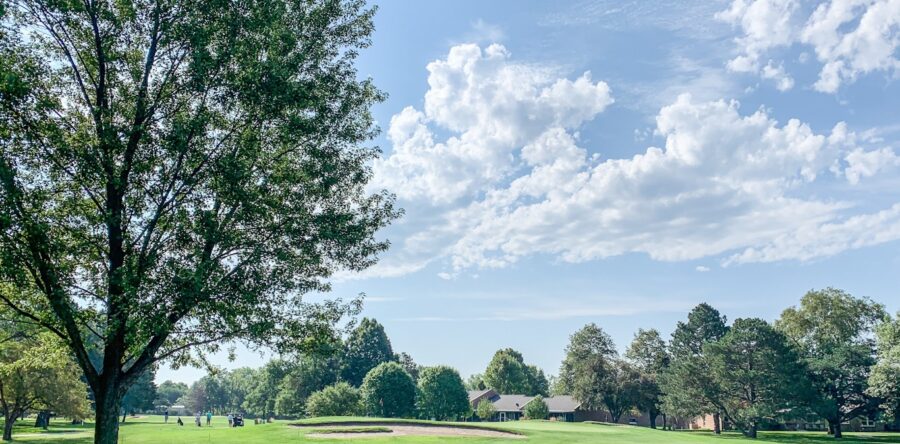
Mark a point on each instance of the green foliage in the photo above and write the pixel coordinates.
(176, 175)
(309, 374)
(475, 381)
(485, 410)
(389, 392)
(621, 390)
(884, 382)
(141, 394)
(705, 324)
(260, 400)
(650, 356)
(537, 408)
(36, 373)
(687, 386)
(340, 399)
(758, 371)
(442, 394)
(169, 392)
(835, 333)
(507, 373)
(586, 369)
(406, 361)
(367, 346)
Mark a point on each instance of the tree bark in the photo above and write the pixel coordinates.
(717, 424)
(8, 425)
(665, 421)
(106, 429)
(751, 433)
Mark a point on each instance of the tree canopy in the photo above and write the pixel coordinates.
(884, 382)
(176, 175)
(442, 394)
(650, 357)
(835, 333)
(758, 371)
(389, 392)
(586, 368)
(341, 399)
(36, 373)
(508, 373)
(366, 347)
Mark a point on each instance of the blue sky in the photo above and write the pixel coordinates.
(618, 162)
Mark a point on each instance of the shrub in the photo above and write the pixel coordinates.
(388, 391)
(340, 399)
(537, 408)
(485, 410)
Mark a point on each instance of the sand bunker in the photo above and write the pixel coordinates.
(405, 429)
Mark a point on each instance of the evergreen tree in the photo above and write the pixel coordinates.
(758, 372)
(366, 348)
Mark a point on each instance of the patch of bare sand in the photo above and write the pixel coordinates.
(420, 430)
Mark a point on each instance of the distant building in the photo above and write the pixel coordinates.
(568, 409)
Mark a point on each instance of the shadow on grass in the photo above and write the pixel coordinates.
(815, 437)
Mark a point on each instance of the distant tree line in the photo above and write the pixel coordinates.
(833, 358)
(362, 376)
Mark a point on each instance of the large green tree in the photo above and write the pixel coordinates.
(366, 347)
(37, 373)
(687, 384)
(309, 374)
(140, 394)
(169, 392)
(621, 390)
(835, 334)
(759, 373)
(508, 373)
(442, 394)
(175, 175)
(884, 381)
(650, 356)
(389, 392)
(587, 367)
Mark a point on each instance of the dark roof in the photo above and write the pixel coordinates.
(562, 404)
(475, 394)
(510, 403)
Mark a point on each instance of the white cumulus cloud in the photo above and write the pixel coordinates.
(509, 178)
(850, 38)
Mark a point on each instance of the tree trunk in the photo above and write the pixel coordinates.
(751, 433)
(652, 420)
(106, 429)
(665, 421)
(8, 426)
(716, 424)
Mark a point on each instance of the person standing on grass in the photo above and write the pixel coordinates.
(208, 418)
(230, 420)
(197, 419)
(166, 416)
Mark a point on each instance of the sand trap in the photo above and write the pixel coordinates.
(412, 429)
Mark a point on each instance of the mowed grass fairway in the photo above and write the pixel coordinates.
(151, 429)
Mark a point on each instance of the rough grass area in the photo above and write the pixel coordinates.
(151, 430)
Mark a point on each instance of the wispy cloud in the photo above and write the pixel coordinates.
(610, 307)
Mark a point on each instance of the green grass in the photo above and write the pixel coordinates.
(151, 430)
